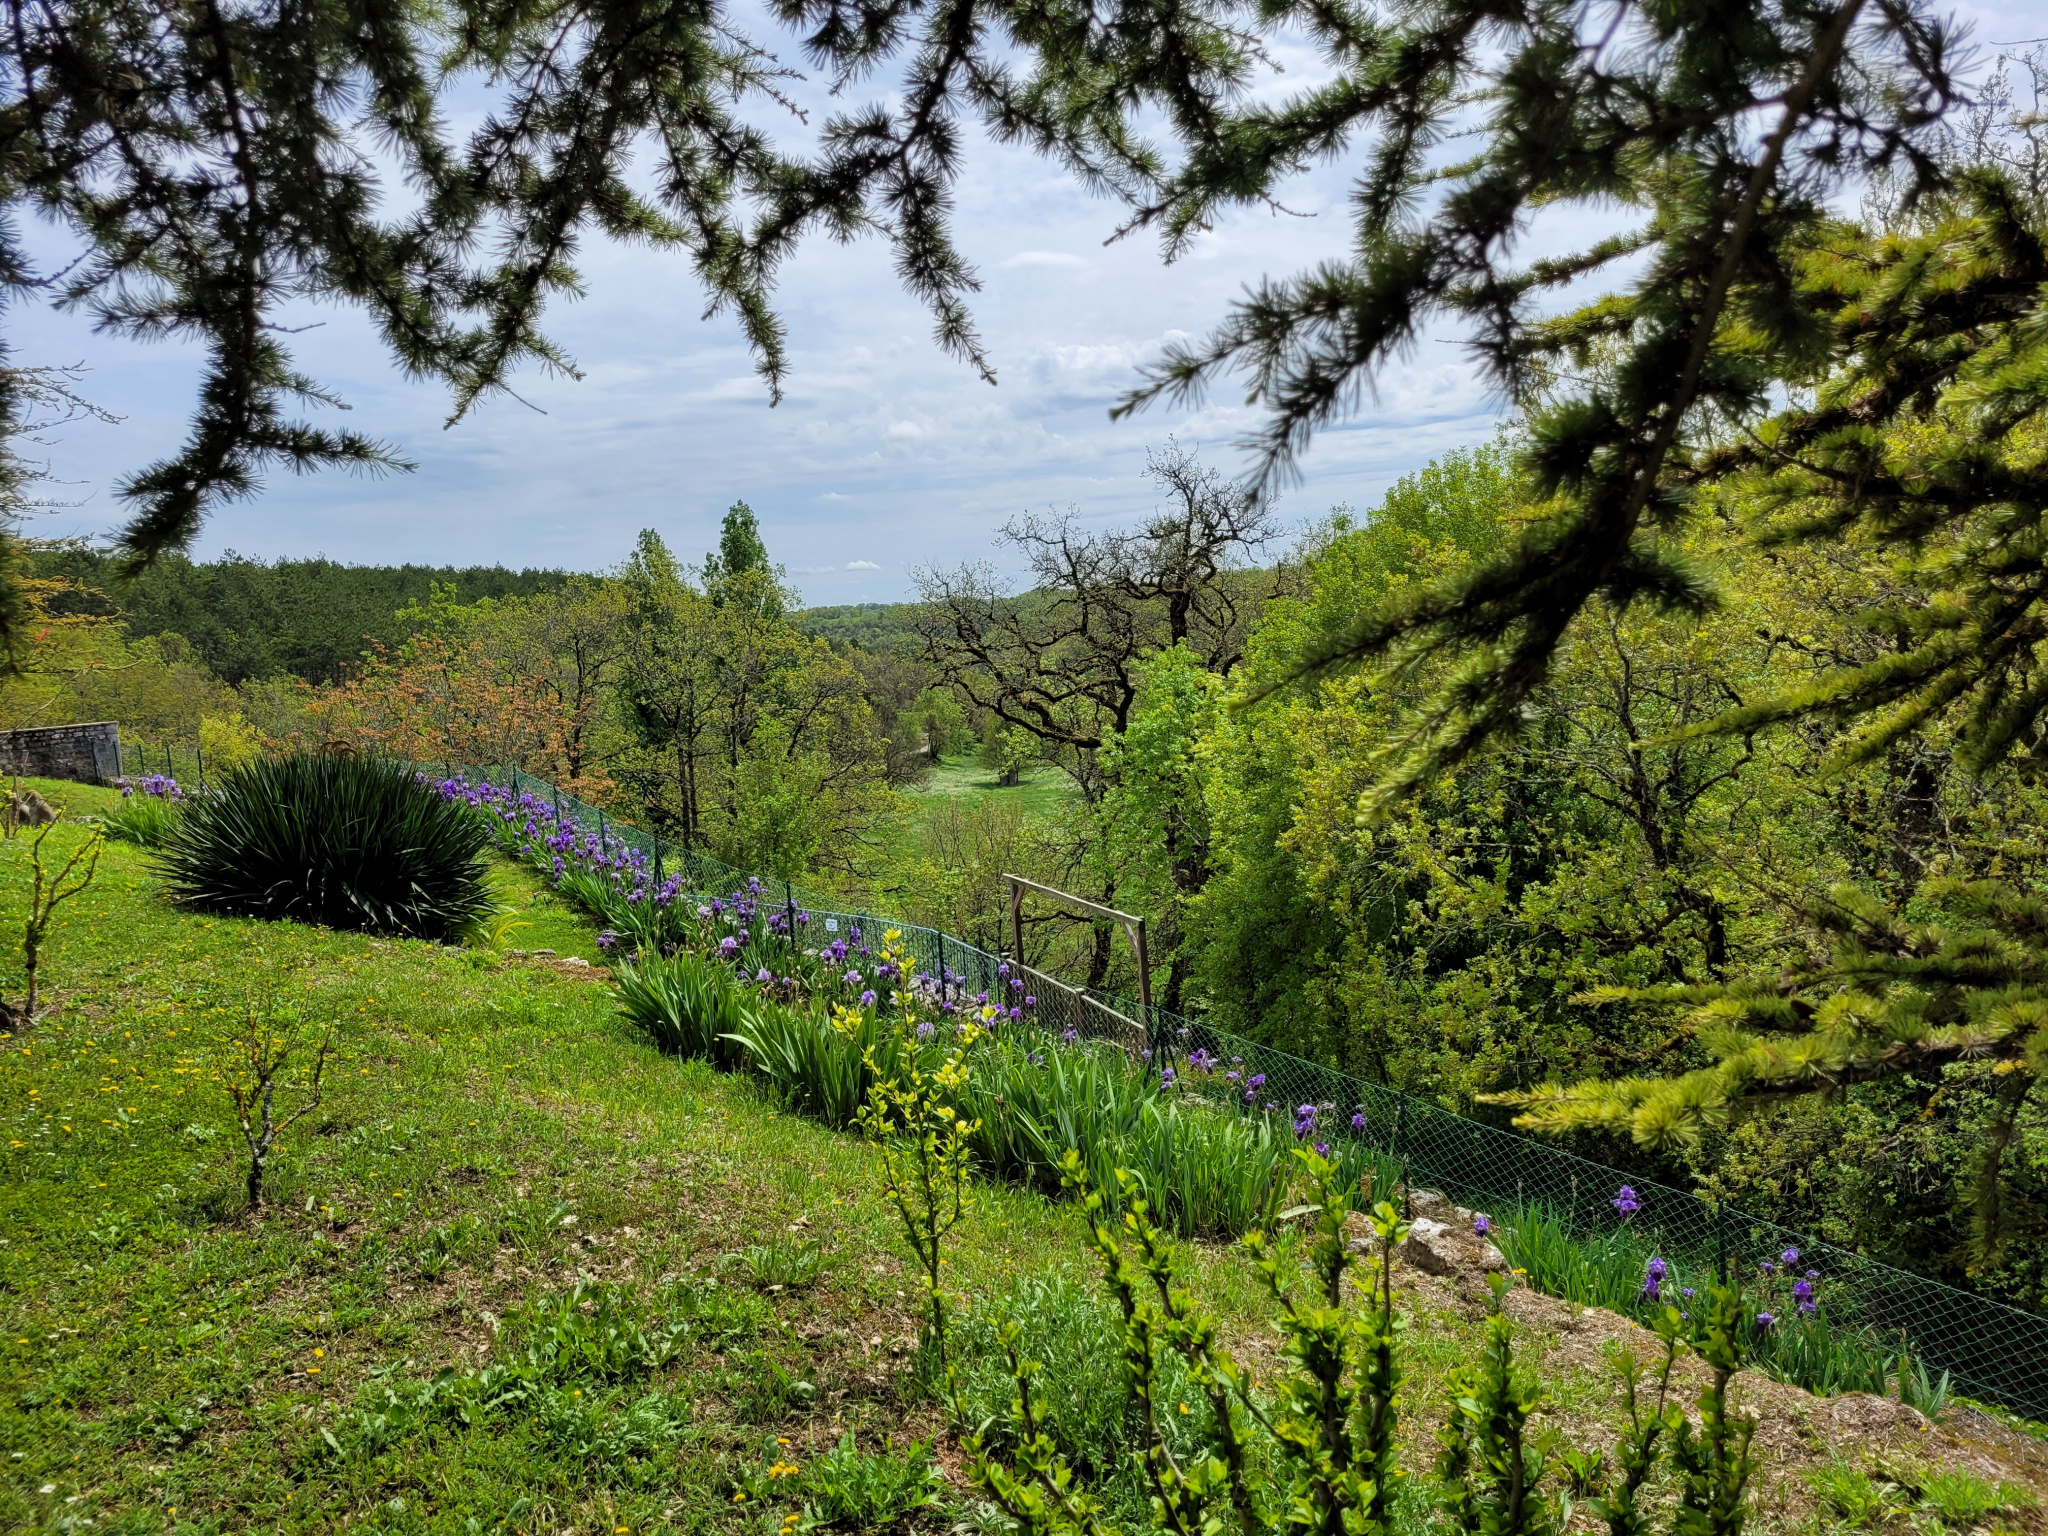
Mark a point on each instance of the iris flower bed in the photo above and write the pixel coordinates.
(736, 978)
(148, 812)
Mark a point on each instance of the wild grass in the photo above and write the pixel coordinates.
(1802, 1347)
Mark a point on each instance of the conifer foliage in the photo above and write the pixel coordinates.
(224, 160)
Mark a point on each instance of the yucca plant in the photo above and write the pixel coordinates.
(346, 841)
(689, 1004)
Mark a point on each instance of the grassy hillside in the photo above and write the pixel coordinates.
(608, 1254)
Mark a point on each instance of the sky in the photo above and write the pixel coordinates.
(885, 454)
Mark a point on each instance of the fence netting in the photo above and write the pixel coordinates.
(1993, 1352)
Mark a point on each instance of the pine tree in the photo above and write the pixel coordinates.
(1888, 998)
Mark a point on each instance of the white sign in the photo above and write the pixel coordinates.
(831, 925)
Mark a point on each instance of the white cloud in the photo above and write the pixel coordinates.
(1043, 259)
(862, 565)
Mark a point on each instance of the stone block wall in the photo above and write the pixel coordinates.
(89, 754)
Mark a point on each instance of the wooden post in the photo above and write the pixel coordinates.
(1144, 974)
(1017, 921)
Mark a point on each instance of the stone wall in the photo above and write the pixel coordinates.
(90, 754)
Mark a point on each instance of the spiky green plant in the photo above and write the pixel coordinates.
(689, 1004)
(345, 841)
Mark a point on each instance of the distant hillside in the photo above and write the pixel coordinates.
(255, 619)
(872, 626)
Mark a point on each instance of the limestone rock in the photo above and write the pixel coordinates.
(1438, 1248)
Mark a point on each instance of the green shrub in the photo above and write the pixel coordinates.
(349, 842)
(688, 1004)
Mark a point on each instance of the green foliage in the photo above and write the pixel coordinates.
(1492, 1469)
(1890, 998)
(566, 1364)
(786, 1264)
(248, 620)
(745, 736)
(689, 1005)
(348, 841)
(144, 820)
(1085, 1411)
(817, 1068)
(912, 1116)
(853, 1490)
(1315, 1448)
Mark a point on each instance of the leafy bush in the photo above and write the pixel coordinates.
(350, 842)
(690, 1005)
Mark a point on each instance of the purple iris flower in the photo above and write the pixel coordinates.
(1358, 1124)
(763, 974)
(1166, 1076)
(853, 978)
(1789, 1257)
(1803, 1290)
(926, 1029)
(607, 939)
(1481, 1226)
(1322, 1149)
(1653, 1279)
(1764, 1320)
(1626, 1201)
(727, 946)
(867, 999)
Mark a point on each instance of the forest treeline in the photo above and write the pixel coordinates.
(246, 619)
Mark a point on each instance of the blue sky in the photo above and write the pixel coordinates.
(884, 454)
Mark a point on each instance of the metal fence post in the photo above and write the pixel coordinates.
(1400, 1141)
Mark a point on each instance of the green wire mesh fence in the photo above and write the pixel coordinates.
(1991, 1351)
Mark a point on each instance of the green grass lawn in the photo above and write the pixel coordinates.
(1041, 791)
(491, 1134)
(518, 1272)
(1043, 794)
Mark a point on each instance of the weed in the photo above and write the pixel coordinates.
(1962, 1499)
(858, 1491)
(534, 1229)
(786, 1264)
